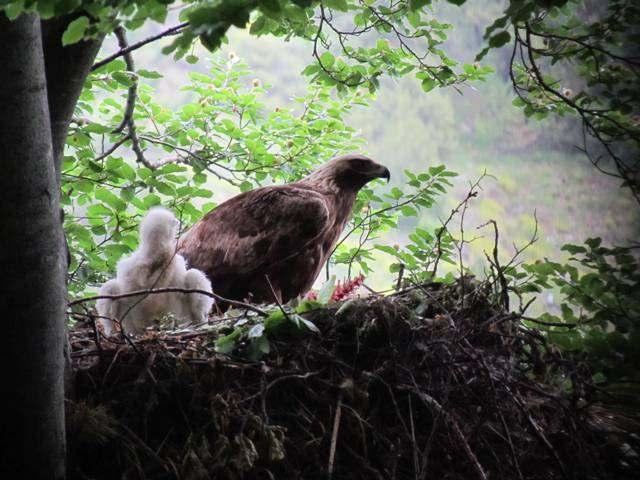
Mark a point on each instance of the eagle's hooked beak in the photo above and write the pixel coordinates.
(385, 173)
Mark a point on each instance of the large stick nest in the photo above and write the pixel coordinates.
(432, 383)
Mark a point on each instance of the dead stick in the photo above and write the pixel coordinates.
(400, 275)
(334, 436)
(170, 31)
(276, 297)
(432, 403)
(153, 291)
(416, 464)
(467, 449)
(538, 431)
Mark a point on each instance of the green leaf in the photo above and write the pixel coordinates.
(327, 60)
(110, 199)
(593, 243)
(13, 10)
(311, 69)
(499, 39)
(257, 26)
(409, 211)
(326, 291)
(227, 343)
(573, 249)
(310, 325)
(437, 170)
(256, 331)
(340, 5)
(275, 319)
(418, 4)
(429, 84)
(46, 8)
(75, 31)
(127, 171)
(482, 54)
(270, 5)
(123, 78)
(307, 305)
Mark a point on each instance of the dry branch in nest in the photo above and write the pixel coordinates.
(433, 382)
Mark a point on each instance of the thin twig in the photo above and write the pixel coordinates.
(433, 404)
(123, 51)
(504, 289)
(133, 89)
(334, 436)
(155, 291)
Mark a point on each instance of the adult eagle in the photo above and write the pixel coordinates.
(283, 232)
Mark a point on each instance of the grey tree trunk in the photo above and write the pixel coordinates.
(32, 298)
(66, 70)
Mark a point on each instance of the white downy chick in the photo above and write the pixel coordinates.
(108, 309)
(193, 307)
(155, 264)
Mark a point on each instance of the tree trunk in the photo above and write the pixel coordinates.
(66, 70)
(32, 263)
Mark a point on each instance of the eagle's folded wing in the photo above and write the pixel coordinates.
(255, 230)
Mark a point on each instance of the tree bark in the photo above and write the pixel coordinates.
(66, 70)
(32, 263)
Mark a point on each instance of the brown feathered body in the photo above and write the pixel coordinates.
(284, 233)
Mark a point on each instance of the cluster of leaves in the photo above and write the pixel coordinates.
(372, 38)
(93, 18)
(249, 336)
(225, 132)
(224, 139)
(599, 318)
(354, 42)
(578, 58)
(376, 213)
(419, 257)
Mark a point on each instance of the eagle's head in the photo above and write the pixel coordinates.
(349, 172)
(159, 229)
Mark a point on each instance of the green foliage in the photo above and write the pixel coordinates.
(251, 335)
(366, 51)
(75, 31)
(384, 40)
(324, 294)
(599, 318)
(375, 214)
(577, 59)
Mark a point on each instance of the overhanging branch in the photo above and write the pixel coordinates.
(130, 48)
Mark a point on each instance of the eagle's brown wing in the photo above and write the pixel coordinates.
(255, 231)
